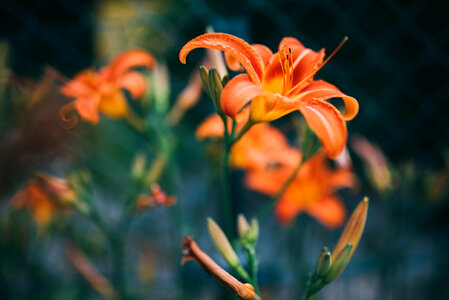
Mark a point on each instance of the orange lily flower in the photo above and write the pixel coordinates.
(312, 190)
(262, 146)
(280, 83)
(102, 90)
(45, 196)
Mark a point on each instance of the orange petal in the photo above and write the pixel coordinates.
(263, 146)
(269, 107)
(342, 178)
(130, 59)
(212, 127)
(87, 108)
(237, 93)
(68, 115)
(290, 42)
(327, 123)
(330, 211)
(286, 210)
(264, 52)
(114, 105)
(322, 90)
(134, 82)
(306, 63)
(81, 86)
(266, 181)
(238, 48)
(233, 63)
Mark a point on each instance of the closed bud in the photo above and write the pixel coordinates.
(138, 167)
(242, 227)
(215, 89)
(161, 88)
(353, 229)
(204, 74)
(253, 233)
(225, 80)
(323, 263)
(222, 243)
(339, 263)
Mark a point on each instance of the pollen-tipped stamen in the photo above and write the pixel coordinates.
(287, 69)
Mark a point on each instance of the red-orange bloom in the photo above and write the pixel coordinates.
(102, 90)
(280, 83)
(44, 196)
(312, 190)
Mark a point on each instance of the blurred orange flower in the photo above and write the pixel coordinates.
(280, 83)
(262, 146)
(44, 196)
(102, 90)
(156, 197)
(312, 190)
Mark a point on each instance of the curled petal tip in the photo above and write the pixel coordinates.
(68, 116)
(249, 58)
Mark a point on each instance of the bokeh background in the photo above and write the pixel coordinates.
(395, 64)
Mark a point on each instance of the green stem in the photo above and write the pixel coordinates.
(253, 265)
(242, 131)
(242, 273)
(229, 140)
(269, 207)
(226, 178)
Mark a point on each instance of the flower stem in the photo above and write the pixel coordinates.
(226, 177)
(242, 131)
(253, 265)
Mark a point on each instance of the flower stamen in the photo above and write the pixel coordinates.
(287, 69)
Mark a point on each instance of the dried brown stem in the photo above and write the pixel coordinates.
(192, 251)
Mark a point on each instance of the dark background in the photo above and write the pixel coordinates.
(396, 64)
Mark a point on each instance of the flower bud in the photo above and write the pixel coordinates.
(253, 233)
(161, 88)
(339, 263)
(222, 243)
(204, 74)
(353, 229)
(138, 167)
(215, 89)
(242, 227)
(323, 263)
